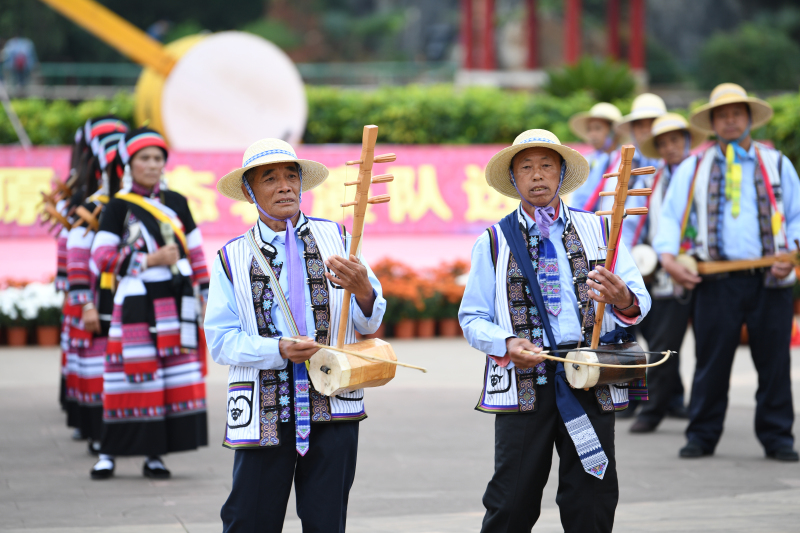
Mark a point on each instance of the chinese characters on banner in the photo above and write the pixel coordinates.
(437, 189)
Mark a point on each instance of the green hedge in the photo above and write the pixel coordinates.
(435, 114)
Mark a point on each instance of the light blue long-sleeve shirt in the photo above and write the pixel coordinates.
(477, 311)
(741, 238)
(229, 345)
(598, 163)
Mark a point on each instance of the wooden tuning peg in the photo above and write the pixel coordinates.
(383, 178)
(348, 204)
(355, 162)
(643, 171)
(380, 199)
(629, 211)
(632, 192)
(611, 175)
(385, 158)
(348, 183)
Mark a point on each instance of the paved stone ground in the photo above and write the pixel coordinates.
(425, 457)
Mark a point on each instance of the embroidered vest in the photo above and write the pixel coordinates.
(514, 390)
(703, 233)
(268, 392)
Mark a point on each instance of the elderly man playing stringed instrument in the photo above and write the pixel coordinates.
(533, 282)
(736, 209)
(270, 283)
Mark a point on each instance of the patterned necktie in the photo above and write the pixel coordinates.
(549, 280)
(297, 301)
(733, 176)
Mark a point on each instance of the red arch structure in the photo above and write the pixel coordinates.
(572, 33)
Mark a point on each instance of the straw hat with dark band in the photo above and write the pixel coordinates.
(579, 122)
(265, 152)
(665, 124)
(730, 93)
(646, 105)
(498, 174)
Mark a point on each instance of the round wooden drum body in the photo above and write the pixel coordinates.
(334, 372)
(585, 376)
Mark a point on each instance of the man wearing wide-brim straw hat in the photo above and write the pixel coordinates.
(597, 128)
(636, 126)
(262, 284)
(533, 282)
(738, 200)
(671, 139)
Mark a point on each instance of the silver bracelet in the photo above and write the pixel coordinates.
(632, 303)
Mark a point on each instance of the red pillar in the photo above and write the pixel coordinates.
(612, 25)
(466, 34)
(572, 31)
(488, 35)
(532, 22)
(636, 48)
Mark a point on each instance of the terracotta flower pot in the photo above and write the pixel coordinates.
(405, 329)
(449, 327)
(17, 335)
(379, 333)
(47, 335)
(426, 328)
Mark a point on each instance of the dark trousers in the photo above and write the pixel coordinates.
(523, 454)
(262, 482)
(721, 307)
(664, 328)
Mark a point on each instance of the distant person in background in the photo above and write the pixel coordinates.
(672, 138)
(19, 59)
(158, 30)
(154, 399)
(738, 200)
(596, 128)
(635, 127)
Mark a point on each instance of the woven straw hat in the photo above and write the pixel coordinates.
(265, 152)
(498, 175)
(665, 124)
(579, 122)
(730, 93)
(646, 105)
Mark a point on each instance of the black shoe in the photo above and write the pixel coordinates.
(155, 473)
(642, 426)
(693, 450)
(102, 473)
(679, 412)
(786, 454)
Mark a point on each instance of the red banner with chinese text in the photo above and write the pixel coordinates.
(437, 189)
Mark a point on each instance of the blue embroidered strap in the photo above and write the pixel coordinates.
(579, 427)
(302, 418)
(578, 424)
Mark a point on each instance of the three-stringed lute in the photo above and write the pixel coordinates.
(371, 362)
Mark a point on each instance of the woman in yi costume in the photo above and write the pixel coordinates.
(90, 297)
(153, 392)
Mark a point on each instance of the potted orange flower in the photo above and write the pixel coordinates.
(403, 303)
